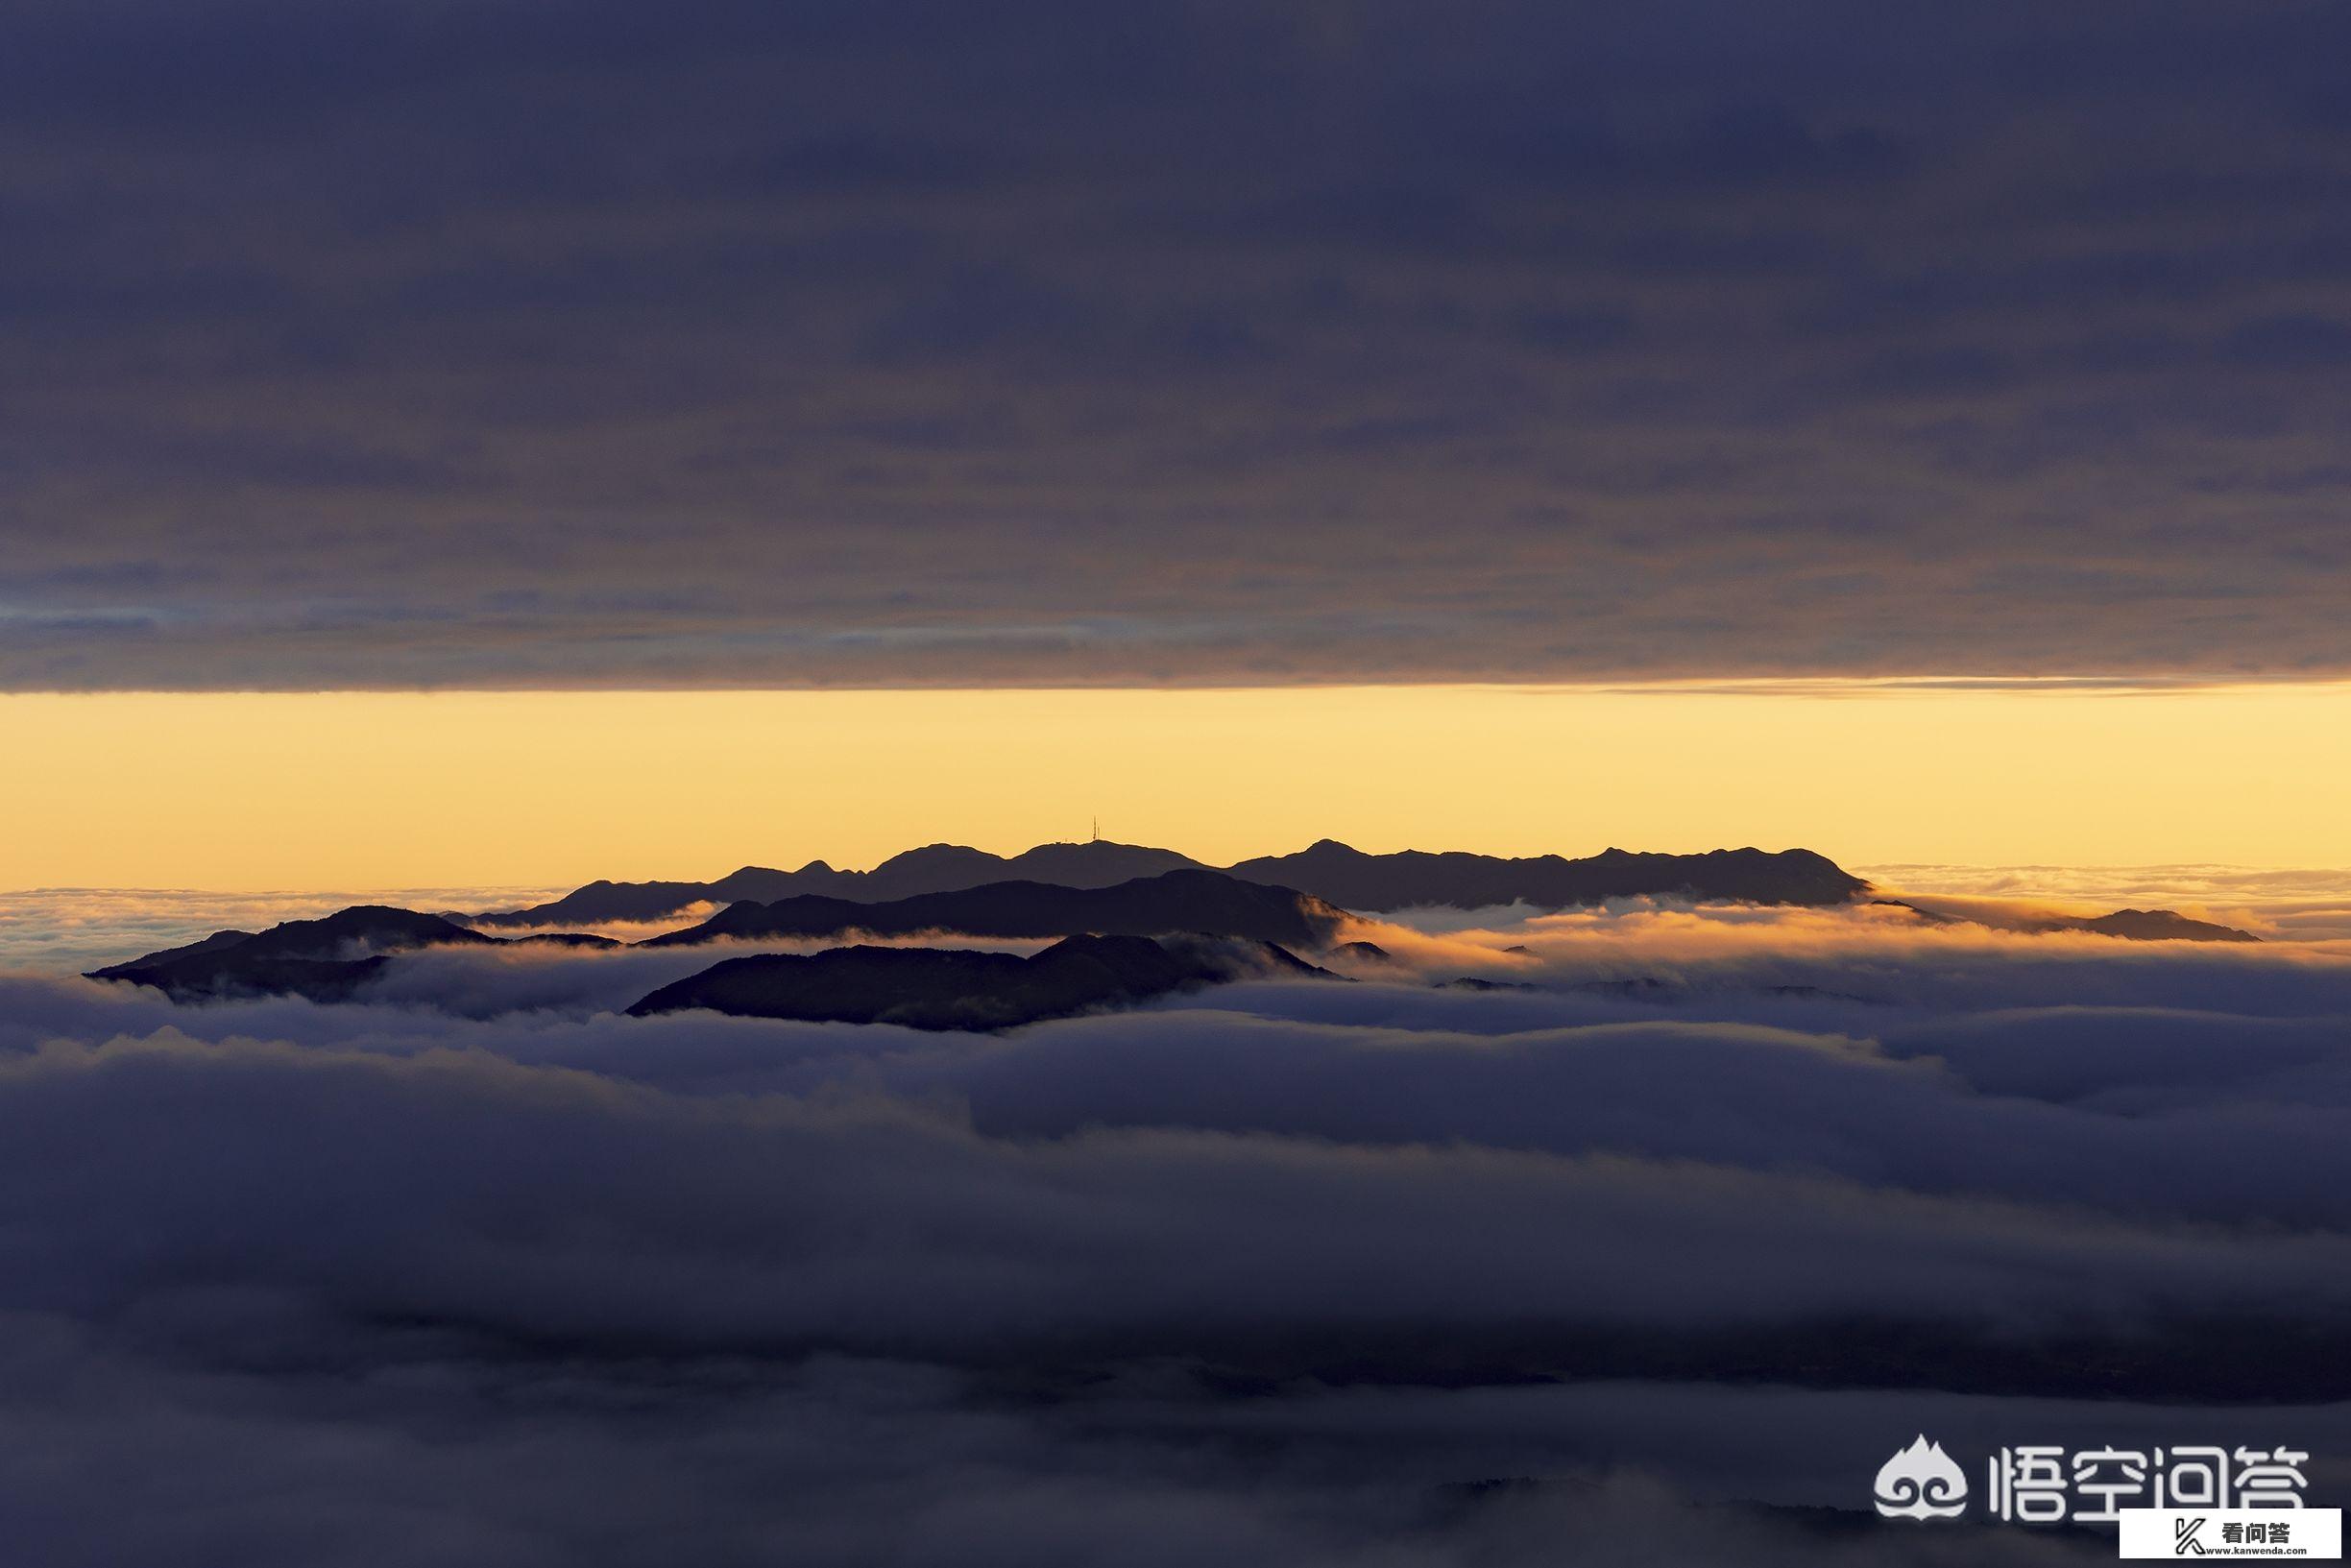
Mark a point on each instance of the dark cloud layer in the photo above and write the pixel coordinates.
(397, 342)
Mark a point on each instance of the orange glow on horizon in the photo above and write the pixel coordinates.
(381, 789)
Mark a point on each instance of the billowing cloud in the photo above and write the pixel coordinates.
(1288, 1271)
(482, 1464)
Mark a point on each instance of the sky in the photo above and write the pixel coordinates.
(406, 344)
(1019, 351)
(408, 790)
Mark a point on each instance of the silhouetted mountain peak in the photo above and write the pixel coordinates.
(2158, 926)
(937, 855)
(1096, 863)
(2128, 924)
(362, 930)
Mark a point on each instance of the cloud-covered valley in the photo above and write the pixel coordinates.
(1281, 1270)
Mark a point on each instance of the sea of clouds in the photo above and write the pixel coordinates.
(1654, 1262)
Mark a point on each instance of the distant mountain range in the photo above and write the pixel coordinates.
(2131, 925)
(936, 988)
(1187, 910)
(1329, 870)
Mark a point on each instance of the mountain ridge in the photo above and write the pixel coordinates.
(2123, 925)
(928, 868)
(1334, 872)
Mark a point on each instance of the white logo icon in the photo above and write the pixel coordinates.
(1922, 1483)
